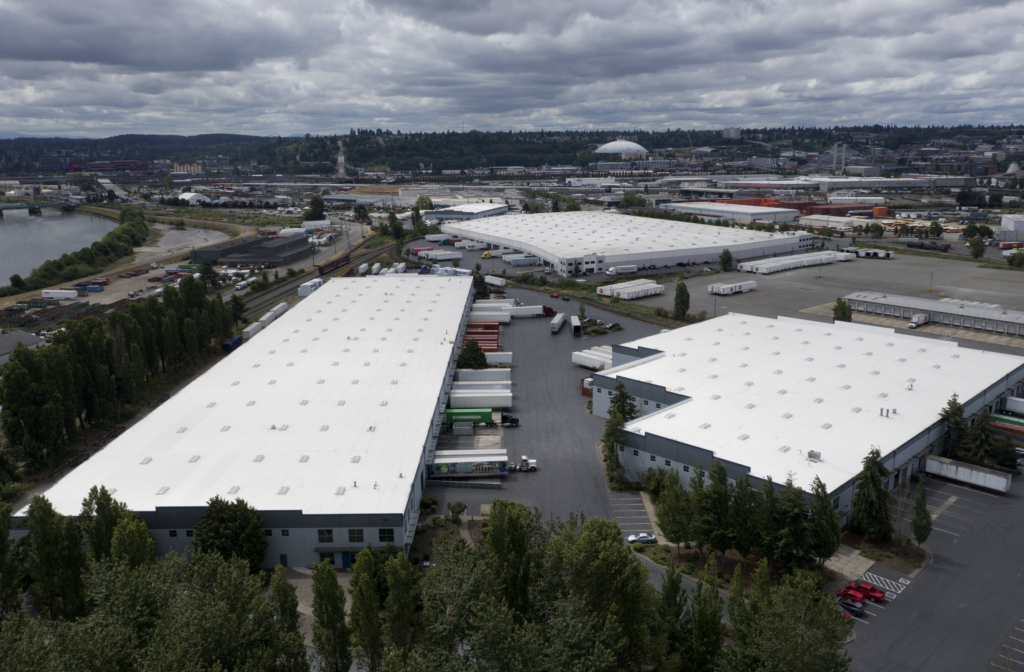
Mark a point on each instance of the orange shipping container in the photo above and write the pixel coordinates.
(880, 212)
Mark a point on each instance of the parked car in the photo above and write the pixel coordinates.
(587, 320)
(565, 298)
(868, 590)
(852, 606)
(553, 295)
(612, 325)
(854, 595)
(643, 538)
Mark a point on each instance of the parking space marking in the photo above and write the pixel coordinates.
(945, 505)
(977, 492)
(859, 619)
(893, 587)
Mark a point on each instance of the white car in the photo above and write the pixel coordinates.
(643, 538)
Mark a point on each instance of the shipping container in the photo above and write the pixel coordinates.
(474, 415)
(60, 294)
(492, 280)
(496, 358)
(251, 330)
(967, 473)
(557, 322)
(728, 288)
(231, 344)
(483, 374)
(375, 269)
(307, 288)
(363, 268)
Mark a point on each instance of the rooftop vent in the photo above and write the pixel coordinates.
(811, 379)
(716, 396)
(251, 403)
(290, 364)
(233, 489)
(745, 348)
(334, 363)
(827, 425)
(271, 382)
(193, 459)
(181, 430)
(842, 366)
(819, 400)
(371, 428)
(911, 380)
(856, 409)
(889, 345)
(713, 375)
(258, 458)
(782, 391)
(748, 383)
(743, 437)
(340, 491)
(901, 359)
(860, 338)
(750, 405)
(778, 371)
(355, 459)
(234, 383)
(776, 352)
(869, 353)
(383, 403)
(936, 366)
(272, 352)
(225, 428)
(838, 347)
(809, 359)
(146, 460)
(284, 428)
(355, 381)
(211, 404)
(875, 373)
(341, 402)
(784, 449)
(303, 402)
(804, 342)
(283, 490)
(705, 425)
(787, 416)
(670, 415)
(163, 490)
(846, 387)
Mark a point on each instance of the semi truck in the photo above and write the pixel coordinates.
(524, 464)
(929, 245)
(967, 473)
(918, 320)
(577, 328)
(468, 464)
(621, 270)
(530, 311)
(557, 322)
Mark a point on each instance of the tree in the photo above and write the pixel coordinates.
(842, 311)
(131, 542)
(55, 561)
(623, 403)
(982, 445)
(477, 267)
(956, 427)
(331, 645)
(100, 516)
(703, 630)
(632, 199)
(366, 625)
(232, 529)
(681, 306)
(875, 230)
(791, 547)
(18, 283)
(455, 511)
(399, 607)
(613, 427)
(1016, 259)
(672, 513)
(870, 513)
(237, 308)
(995, 200)
(582, 313)
(423, 202)
(977, 245)
(209, 274)
(718, 501)
(743, 514)
(360, 213)
(698, 510)
(11, 570)
(511, 531)
(935, 230)
(767, 519)
(921, 523)
(824, 529)
(190, 336)
(571, 205)
(725, 260)
(316, 209)
(554, 205)
(472, 356)
(284, 608)
(826, 232)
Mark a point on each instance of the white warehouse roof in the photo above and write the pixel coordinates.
(758, 385)
(615, 237)
(310, 385)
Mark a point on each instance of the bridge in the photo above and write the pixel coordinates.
(36, 209)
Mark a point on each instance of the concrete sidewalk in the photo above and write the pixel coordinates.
(652, 517)
(848, 562)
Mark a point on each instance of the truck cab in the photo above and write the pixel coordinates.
(917, 320)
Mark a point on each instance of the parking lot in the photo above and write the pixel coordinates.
(954, 615)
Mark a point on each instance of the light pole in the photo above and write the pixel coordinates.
(930, 278)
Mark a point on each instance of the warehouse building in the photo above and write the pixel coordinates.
(741, 214)
(597, 241)
(793, 399)
(323, 422)
(951, 312)
(465, 211)
(255, 251)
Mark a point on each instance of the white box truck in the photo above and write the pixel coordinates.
(621, 270)
(918, 320)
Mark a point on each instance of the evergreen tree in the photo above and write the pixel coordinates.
(922, 520)
(870, 513)
(289, 644)
(366, 625)
(681, 306)
(623, 403)
(698, 510)
(703, 630)
(191, 340)
(981, 444)
(613, 428)
(767, 519)
(100, 515)
(825, 531)
(316, 209)
(725, 260)
(511, 532)
(672, 513)
(331, 645)
(171, 340)
(237, 308)
(842, 311)
(55, 561)
(791, 548)
(472, 356)
(672, 604)
(956, 427)
(743, 517)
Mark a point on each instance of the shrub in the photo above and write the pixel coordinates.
(426, 557)
(638, 547)
(415, 559)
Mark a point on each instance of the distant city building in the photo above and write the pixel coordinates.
(120, 166)
(732, 133)
(624, 148)
(864, 171)
(53, 163)
(189, 168)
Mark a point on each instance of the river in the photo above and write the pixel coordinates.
(26, 241)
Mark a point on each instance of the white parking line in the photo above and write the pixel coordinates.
(962, 499)
(1021, 662)
(859, 619)
(950, 513)
(888, 585)
(869, 612)
(977, 492)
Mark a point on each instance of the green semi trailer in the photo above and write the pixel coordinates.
(478, 416)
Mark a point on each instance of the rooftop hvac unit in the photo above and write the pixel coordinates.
(813, 456)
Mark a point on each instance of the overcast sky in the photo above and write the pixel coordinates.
(106, 67)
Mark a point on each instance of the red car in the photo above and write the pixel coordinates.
(553, 295)
(851, 594)
(867, 589)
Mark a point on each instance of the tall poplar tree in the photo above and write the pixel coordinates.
(870, 513)
(331, 636)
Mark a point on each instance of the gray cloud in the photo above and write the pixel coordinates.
(254, 66)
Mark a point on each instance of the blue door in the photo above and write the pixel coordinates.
(346, 560)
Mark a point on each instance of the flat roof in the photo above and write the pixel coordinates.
(972, 309)
(758, 385)
(575, 234)
(472, 208)
(312, 384)
(731, 208)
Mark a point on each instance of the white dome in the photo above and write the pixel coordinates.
(620, 147)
